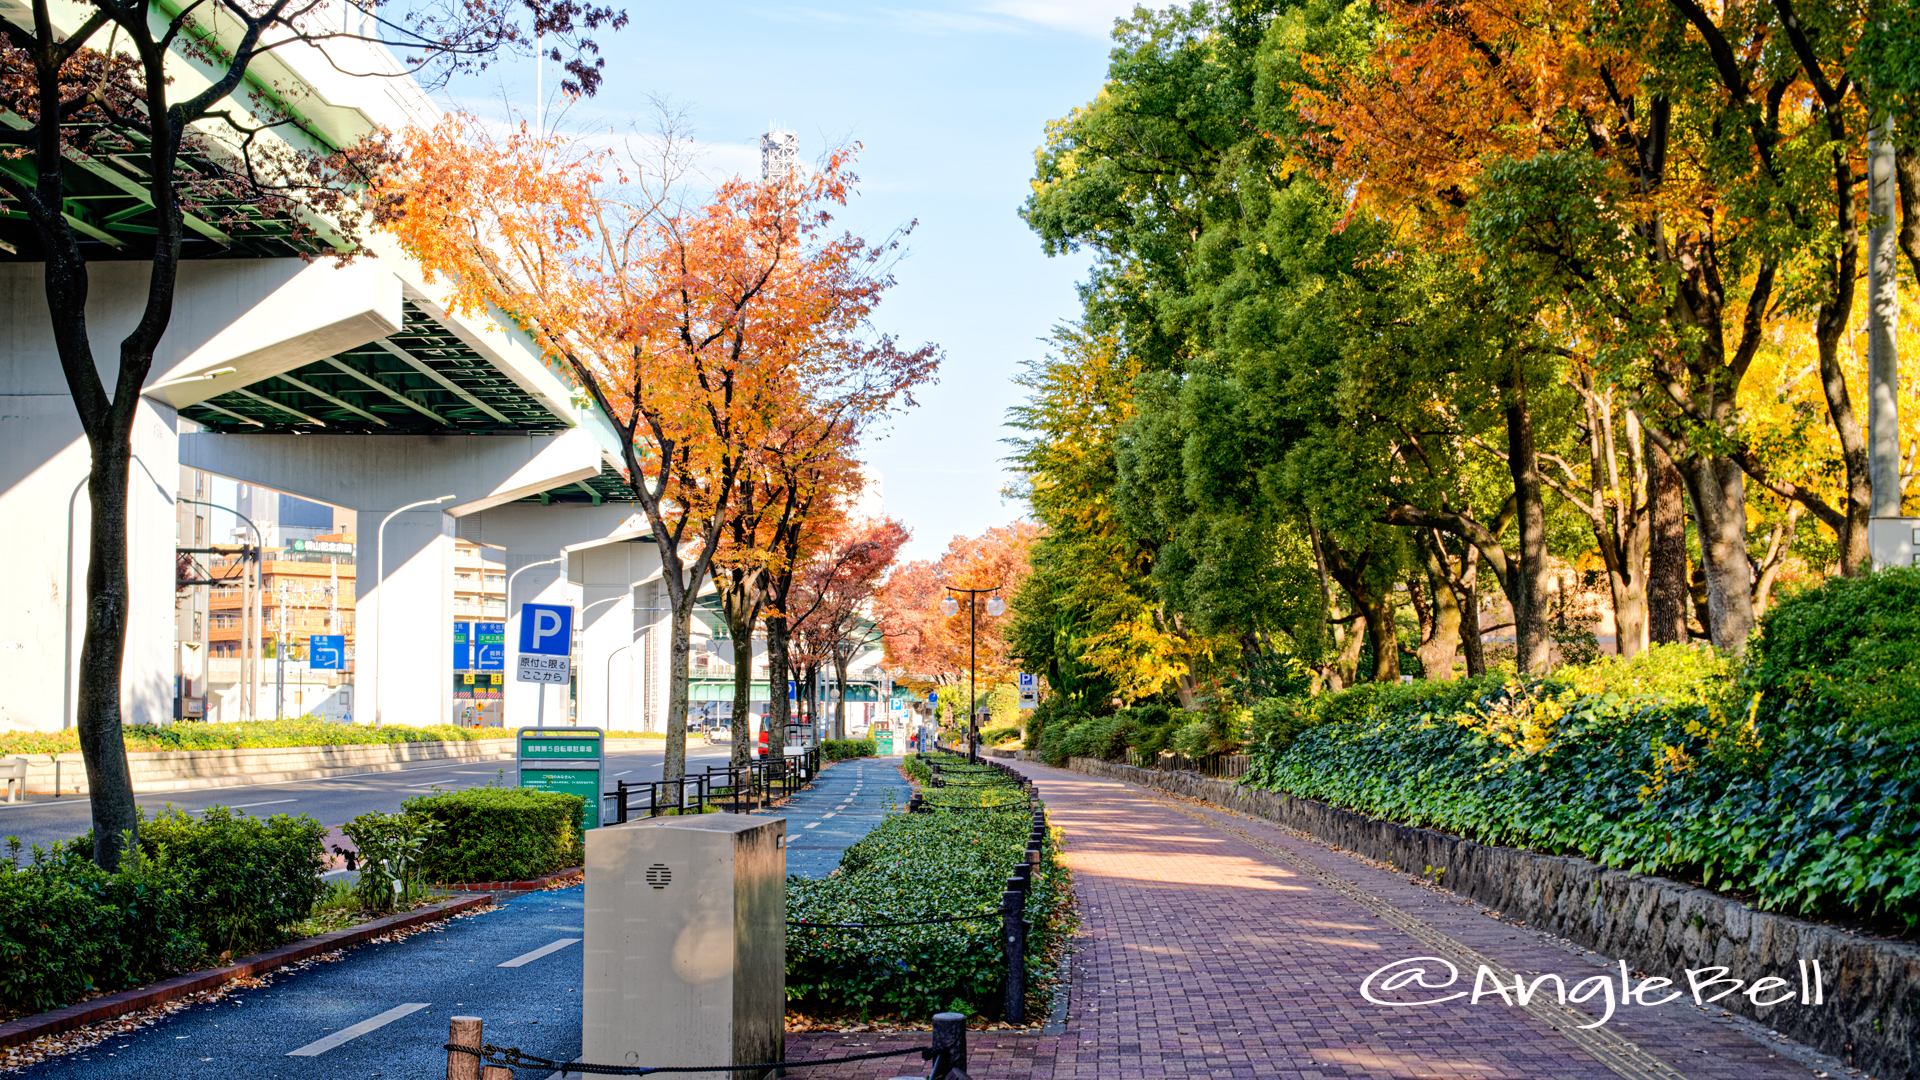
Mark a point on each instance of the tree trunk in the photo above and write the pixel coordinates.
(840, 699)
(1668, 594)
(742, 632)
(1629, 600)
(1382, 628)
(1828, 332)
(1442, 641)
(1529, 594)
(1778, 547)
(1716, 492)
(1344, 670)
(102, 742)
(1475, 649)
(779, 671)
(679, 652)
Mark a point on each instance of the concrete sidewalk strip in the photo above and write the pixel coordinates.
(348, 1034)
(545, 950)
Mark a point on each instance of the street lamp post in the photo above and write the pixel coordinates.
(380, 600)
(951, 607)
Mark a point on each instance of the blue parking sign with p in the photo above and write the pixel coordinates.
(546, 629)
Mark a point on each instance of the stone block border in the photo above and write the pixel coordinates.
(55, 1021)
(1871, 1019)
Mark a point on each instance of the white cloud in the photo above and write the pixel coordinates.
(1091, 17)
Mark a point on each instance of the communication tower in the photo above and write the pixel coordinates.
(779, 154)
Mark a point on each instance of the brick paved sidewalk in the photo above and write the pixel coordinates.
(1203, 953)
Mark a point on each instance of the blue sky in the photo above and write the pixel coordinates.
(949, 98)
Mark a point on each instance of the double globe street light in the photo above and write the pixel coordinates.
(995, 608)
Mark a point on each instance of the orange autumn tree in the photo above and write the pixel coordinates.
(931, 646)
(832, 606)
(1664, 180)
(701, 328)
(785, 507)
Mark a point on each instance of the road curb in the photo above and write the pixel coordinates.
(54, 1022)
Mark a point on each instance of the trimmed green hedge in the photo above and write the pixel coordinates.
(251, 735)
(498, 834)
(917, 866)
(844, 749)
(202, 887)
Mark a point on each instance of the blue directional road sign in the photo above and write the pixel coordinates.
(327, 652)
(490, 646)
(462, 646)
(546, 643)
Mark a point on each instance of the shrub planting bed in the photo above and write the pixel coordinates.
(844, 749)
(912, 867)
(202, 887)
(1791, 779)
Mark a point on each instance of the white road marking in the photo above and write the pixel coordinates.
(527, 958)
(348, 1034)
(246, 805)
(828, 814)
(815, 825)
(623, 772)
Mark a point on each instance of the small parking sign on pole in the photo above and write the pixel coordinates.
(546, 648)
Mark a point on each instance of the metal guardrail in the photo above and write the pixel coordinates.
(735, 789)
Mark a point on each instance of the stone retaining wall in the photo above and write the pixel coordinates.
(1871, 1018)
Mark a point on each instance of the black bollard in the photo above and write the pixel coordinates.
(913, 805)
(1013, 932)
(949, 1045)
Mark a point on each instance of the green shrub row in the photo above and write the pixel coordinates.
(199, 888)
(497, 834)
(1058, 731)
(917, 866)
(843, 749)
(250, 735)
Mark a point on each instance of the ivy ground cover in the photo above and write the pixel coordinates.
(1796, 804)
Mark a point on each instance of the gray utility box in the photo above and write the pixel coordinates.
(686, 946)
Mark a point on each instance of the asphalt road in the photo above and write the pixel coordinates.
(843, 805)
(330, 801)
(381, 1013)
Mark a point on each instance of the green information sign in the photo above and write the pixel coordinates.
(566, 760)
